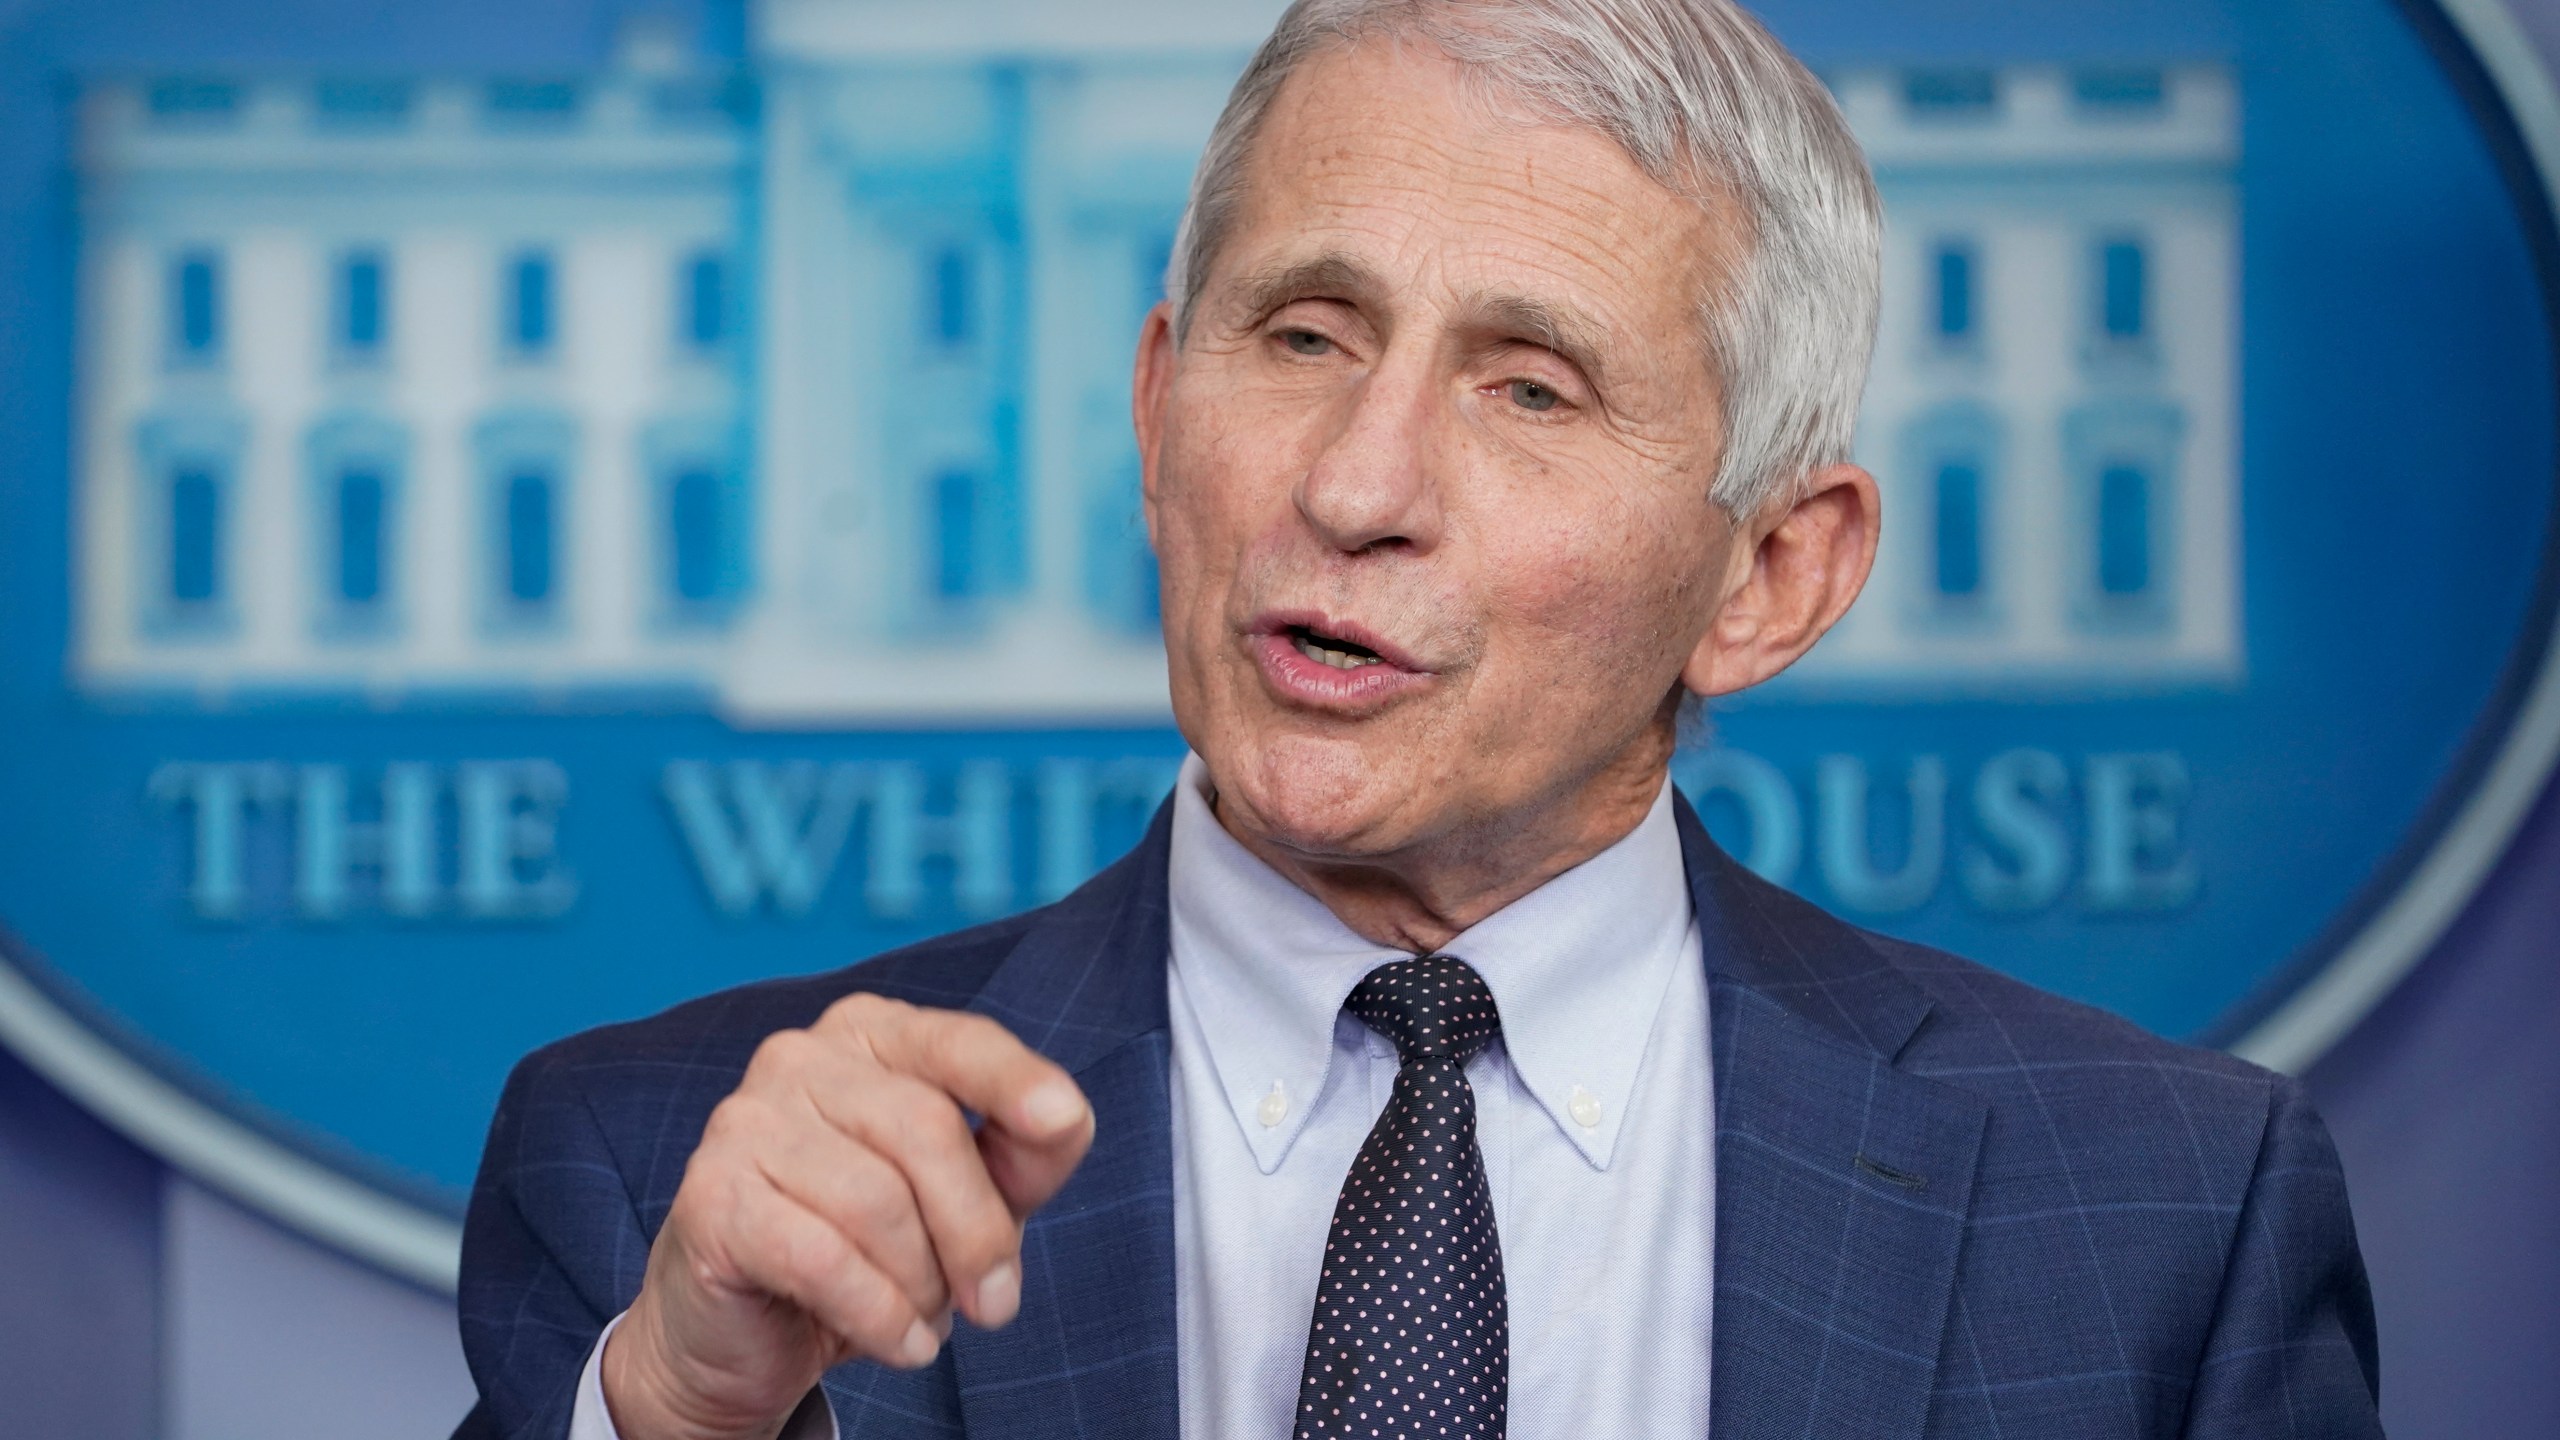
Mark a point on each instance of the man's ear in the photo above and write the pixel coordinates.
(1148, 387)
(1803, 566)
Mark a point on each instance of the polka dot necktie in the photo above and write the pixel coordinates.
(1412, 1329)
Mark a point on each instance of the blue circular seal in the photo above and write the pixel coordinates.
(520, 518)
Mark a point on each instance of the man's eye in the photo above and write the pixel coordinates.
(1530, 395)
(1307, 342)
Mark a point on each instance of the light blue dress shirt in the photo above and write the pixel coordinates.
(1595, 1112)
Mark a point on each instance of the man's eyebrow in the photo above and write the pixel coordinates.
(1331, 274)
(1565, 330)
(1560, 328)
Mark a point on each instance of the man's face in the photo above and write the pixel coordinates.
(1429, 475)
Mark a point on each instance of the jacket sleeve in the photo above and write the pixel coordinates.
(552, 1249)
(2291, 1351)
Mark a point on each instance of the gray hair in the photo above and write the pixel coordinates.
(1705, 101)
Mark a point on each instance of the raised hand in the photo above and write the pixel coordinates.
(840, 1206)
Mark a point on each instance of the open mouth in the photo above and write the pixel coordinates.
(1331, 650)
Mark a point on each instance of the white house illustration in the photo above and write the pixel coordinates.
(2053, 409)
(798, 389)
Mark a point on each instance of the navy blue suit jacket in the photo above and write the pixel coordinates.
(1946, 1204)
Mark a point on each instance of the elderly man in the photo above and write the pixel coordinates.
(1427, 1071)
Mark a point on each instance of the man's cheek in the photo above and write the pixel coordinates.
(1592, 627)
(1196, 493)
(1567, 575)
(1230, 500)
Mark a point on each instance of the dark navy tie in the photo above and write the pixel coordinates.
(1412, 1330)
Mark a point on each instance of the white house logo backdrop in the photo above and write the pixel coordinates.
(525, 515)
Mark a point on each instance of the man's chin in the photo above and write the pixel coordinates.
(1320, 799)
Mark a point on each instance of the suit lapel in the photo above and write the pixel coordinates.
(1842, 1184)
(1094, 1352)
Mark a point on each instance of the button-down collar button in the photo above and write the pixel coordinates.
(1584, 1107)
(1274, 1107)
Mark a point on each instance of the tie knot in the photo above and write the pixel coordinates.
(1433, 1006)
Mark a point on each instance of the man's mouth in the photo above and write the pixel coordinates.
(1332, 650)
(1332, 664)
(1329, 662)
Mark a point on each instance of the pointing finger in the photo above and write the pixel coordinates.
(978, 1063)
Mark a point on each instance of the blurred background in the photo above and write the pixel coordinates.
(512, 515)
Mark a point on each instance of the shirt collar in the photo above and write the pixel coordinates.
(1578, 966)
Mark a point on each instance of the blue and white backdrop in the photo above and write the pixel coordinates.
(512, 515)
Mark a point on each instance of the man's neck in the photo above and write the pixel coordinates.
(1421, 899)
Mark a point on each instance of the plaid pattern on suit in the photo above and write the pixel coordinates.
(1947, 1204)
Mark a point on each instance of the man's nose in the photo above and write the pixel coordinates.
(1375, 483)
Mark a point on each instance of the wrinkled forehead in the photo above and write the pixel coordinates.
(1387, 153)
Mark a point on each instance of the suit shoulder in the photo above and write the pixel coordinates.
(2031, 1024)
(2189, 1196)
(2087, 1076)
(1979, 1021)
(721, 1030)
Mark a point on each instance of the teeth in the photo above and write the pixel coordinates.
(1338, 659)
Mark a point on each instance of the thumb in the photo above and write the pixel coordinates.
(1030, 1158)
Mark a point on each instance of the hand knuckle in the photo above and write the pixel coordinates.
(878, 1312)
(782, 1053)
(813, 1252)
(758, 1242)
(917, 1119)
(732, 1121)
(706, 1271)
(876, 1203)
(864, 1010)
